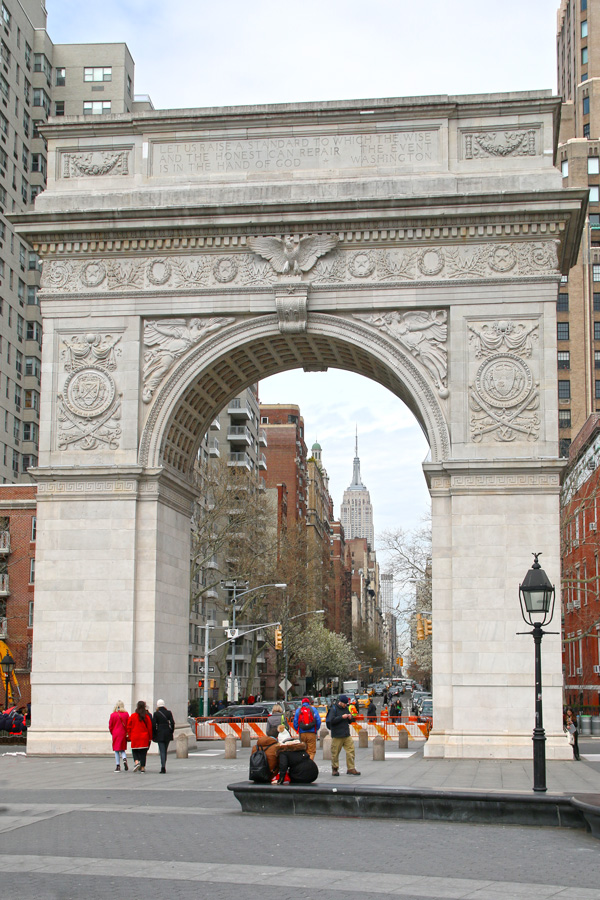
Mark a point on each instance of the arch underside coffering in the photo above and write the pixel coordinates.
(202, 384)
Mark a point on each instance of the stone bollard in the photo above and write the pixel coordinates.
(378, 748)
(181, 746)
(230, 747)
(245, 737)
(363, 738)
(322, 735)
(402, 739)
(327, 748)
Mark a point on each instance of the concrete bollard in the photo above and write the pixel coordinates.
(230, 747)
(363, 738)
(181, 746)
(245, 737)
(402, 739)
(378, 748)
(322, 735)
(327, 748)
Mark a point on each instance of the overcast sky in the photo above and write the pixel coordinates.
(195, 53)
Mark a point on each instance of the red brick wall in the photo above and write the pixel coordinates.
(17, 503)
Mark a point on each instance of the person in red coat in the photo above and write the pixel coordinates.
(117, 725)
(139, 734)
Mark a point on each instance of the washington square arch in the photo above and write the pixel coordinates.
(187, 254)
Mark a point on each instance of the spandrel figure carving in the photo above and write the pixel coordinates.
(423, 334)
(168, 339)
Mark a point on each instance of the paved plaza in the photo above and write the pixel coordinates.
(72, 828)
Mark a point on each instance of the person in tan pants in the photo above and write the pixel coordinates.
(338, 722)
(307, 722)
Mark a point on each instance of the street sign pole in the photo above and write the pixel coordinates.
(205, 690)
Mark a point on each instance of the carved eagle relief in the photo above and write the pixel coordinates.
(287, 256)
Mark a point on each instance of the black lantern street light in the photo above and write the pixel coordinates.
(8, 667)
(537, 608)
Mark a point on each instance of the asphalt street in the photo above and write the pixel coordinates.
(72, 829)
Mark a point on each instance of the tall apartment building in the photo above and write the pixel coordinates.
(236, 437)
(356, 511)
(578, 306)
(37, 79)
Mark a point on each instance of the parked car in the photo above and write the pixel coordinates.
(258, 711)
(426, 711)
(378, 690)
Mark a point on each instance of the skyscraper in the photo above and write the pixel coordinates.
(356, 512)
(578, 305)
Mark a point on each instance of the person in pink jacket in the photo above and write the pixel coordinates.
(117, 725)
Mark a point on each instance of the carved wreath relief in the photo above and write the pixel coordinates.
(94, 164)
(504, 395)
(89, 407)
(165, 340)
(423, 334)
(316, 259)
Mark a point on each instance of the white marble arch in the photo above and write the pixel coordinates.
(421, 246)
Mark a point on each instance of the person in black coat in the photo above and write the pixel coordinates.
(295, 761)
(371, 711)
(163, 728)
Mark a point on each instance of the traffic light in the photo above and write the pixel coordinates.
(359, 667)
(398, 663)
(401, 663)
(278, 639)
(420, 629)
(200, 683)
(428, 628)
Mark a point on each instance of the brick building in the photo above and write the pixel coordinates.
(286, 456)
(17, 577)
(581, 569)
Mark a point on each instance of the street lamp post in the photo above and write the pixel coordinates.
(8, 667)
(537, 596)
(236, 597)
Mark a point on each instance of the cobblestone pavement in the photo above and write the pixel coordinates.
(71, 829)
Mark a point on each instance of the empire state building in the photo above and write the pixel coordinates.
(356, 512)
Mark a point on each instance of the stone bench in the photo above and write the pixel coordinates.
(372, 801)
(589, 806)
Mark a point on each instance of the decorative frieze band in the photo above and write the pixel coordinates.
(95, 163)
(501, 142)
(338, 266)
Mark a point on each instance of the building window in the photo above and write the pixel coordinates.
(562, 330)
(563, 447)
(30, 433)
(584, 28)
(593, 165)
(33, 366)
(29, 460)
(562, 304)
(129, 85)
(30, 619)
(6, 16)
(564, 390)
(584, 56)
(594, 193)
(597, 331)
(594, 219)
(32, 400)
(96, 107)
(596, 273)
(16, 461)
(97, 74)
(59, 108)
(586, 106)
(33, 528)
(32, 297)
(41, 98)
(564, 168)
(32, 570)
(583, 5)
(564, 359)
(584, 76)
(34, 332)
(20, 326)
(61, 76)
(564, 418)
(42, 64)
(38, 163)
(597, 390)
(586, 130)
(597, 359)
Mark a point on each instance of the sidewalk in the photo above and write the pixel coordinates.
(207, 769)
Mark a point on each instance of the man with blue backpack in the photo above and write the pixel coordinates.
(307, 722)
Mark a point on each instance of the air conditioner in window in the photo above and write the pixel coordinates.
(579, 671)
(596, 670)
(593, 526)
(3, 628)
